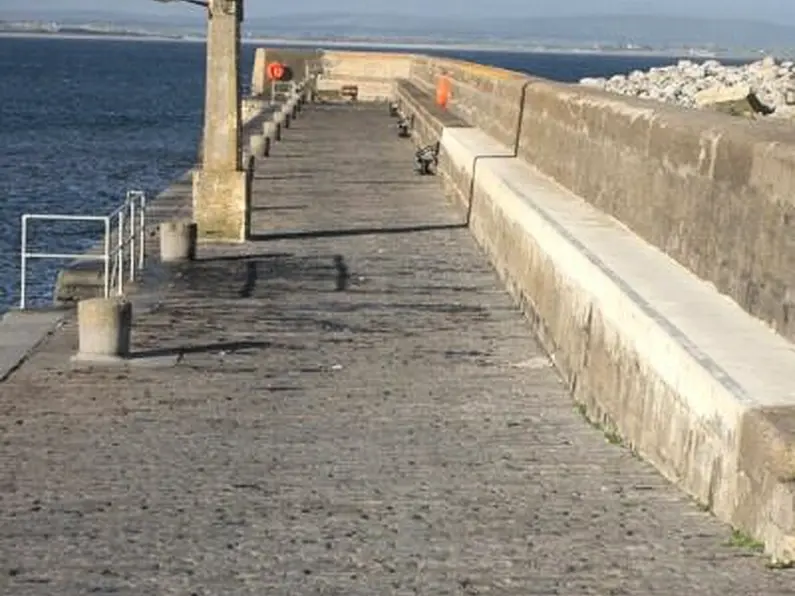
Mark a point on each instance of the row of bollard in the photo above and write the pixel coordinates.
(272, 130)
(105, 324)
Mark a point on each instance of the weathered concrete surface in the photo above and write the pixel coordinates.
(358, 409)
(647, 347)
(21, 332)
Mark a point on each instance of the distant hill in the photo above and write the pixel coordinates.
(658, 31)
(588, 30)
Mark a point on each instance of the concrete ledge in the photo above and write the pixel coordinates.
(687, 378)
(21, 332)
(84, 279)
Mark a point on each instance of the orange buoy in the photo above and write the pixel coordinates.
(443, 91)
(275, 71)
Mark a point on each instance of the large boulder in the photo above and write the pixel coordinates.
(737, 100)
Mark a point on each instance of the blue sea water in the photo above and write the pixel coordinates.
(84, 120)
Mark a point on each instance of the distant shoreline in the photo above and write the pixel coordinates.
(386, 45)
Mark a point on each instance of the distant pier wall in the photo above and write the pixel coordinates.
(374, 73)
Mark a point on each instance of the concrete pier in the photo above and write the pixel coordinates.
(359, 407)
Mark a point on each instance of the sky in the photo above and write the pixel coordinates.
(777, 11)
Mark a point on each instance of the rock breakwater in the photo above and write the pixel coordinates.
(766, 87)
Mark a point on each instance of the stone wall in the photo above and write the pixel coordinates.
(712, 191)
(374, 73)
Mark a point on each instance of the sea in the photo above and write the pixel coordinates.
(82, 121)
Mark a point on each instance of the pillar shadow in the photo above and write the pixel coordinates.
(229, 347)
(298, 234)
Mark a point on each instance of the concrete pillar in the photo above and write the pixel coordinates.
(221, 189)
(259, 79)
(178, 241)
(104, 326)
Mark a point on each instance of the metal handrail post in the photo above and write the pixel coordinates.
(107, 258)
(141, 249)
(132, 238)
(120, 254)
(23, 263)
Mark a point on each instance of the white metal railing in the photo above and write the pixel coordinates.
(128, 221)
(285, 89)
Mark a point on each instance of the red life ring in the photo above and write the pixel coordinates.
(276, 71)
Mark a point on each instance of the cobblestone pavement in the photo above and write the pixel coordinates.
(353, 413)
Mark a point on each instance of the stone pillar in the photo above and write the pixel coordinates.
(221, 189)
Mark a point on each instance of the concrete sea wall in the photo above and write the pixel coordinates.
(620, 226)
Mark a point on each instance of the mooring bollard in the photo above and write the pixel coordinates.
(178, 241)
(257, 145)
(267, 135)
(104, 326)
(278, 119)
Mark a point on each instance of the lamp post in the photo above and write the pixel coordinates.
(221, 188)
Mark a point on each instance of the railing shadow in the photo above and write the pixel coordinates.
(240, 276)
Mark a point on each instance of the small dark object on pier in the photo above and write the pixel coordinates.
(350, 91)
(404, 128)
(425, 157)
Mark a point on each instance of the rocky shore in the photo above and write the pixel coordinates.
(766, 87)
